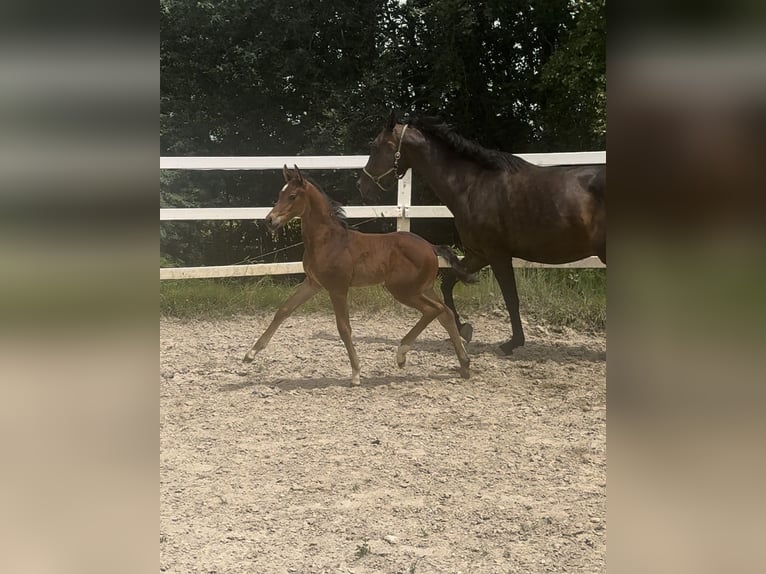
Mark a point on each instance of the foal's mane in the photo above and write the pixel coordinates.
(336, 209)
(489, 158)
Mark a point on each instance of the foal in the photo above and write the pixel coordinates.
(337, 258)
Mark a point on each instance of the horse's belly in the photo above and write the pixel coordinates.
(555, 249)
(367, 275)
(365, 281)
(554, 258)
(552, 248)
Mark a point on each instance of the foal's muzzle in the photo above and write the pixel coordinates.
(273, 224)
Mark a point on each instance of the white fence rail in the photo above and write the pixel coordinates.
(403, 211)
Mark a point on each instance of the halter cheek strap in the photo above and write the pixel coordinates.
(395, 169)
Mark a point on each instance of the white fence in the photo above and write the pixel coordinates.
(403, 211)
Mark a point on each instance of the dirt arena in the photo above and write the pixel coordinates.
(279, 466)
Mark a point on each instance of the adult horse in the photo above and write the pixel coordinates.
(503, 206)
(337, 258)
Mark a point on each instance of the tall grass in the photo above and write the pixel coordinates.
(566, 297)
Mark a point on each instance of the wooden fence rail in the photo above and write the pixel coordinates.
(403, 211)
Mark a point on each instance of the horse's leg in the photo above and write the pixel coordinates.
(506, 278)
(303, 293)
(447, 319)
(449, 280)
(340, 306)
(472, 264)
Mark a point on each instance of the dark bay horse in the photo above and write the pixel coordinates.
(337, 258)
(503, 206)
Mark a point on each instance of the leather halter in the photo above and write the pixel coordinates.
(395, 169)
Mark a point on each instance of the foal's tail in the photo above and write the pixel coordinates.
(455, 263)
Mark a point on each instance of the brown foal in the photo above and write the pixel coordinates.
(337, 258)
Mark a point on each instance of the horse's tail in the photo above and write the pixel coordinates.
(455, 263)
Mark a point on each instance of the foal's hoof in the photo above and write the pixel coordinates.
(401, 356)
(510, 345)
(465, 372)
(466, 331)
(249, 357)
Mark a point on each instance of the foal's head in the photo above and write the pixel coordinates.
(385, 164)
(292, 199)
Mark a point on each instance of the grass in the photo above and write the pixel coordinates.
(362, 550)
(565, 297)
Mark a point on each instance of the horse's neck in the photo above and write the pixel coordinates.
(441, 167)
(317, 223)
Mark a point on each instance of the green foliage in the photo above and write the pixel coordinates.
(265, 77)
(573, 86)
(362, 550)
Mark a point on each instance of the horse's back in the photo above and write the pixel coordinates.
(399, 256)
(544, 214)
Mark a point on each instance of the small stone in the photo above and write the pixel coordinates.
(391, 539)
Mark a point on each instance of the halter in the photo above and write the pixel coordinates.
(395, 169)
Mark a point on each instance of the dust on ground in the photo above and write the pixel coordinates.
(279, 466)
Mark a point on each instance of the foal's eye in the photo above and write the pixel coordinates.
(292, 196)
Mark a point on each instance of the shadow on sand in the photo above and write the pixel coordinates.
(284, 384)
(535, 349)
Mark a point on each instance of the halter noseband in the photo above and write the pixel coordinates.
(395, 169)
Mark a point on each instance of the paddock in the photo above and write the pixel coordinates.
(280, 466)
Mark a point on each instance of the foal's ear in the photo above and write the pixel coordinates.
(391, 121)
(297, 174)
(286, 173)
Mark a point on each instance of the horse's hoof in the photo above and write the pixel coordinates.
(355, 382)
(401, 362)
(466, 331)
(465, 372)
(249, 357)
(510, 345)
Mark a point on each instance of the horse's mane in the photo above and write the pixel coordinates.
(336, 208)
(490, 158)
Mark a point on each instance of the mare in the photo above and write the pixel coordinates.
(503, 206)
(337, 258)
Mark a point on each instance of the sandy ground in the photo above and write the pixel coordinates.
(279, 466)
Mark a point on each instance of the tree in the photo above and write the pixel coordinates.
(266, 77)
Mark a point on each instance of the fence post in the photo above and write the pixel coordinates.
(403, 201)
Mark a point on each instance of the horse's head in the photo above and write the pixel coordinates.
(291, 202)
(385, 164)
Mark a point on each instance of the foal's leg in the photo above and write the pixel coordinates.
(431, 308)
(507, 280)
(303, 293)
(472, 264)
(340, 306)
